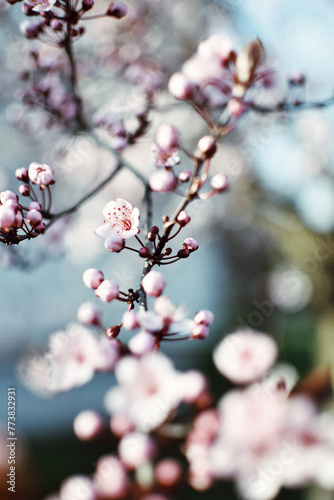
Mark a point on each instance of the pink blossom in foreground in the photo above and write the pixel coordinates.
(168, 472)
(89, 314)
(78, 488)
(245, 355)
(40, 174)
(87, 425)
(148, 390)
(135, 449)
(292, 445)
(110, 479)
(75, 355)
(40, 5)
(121, 219)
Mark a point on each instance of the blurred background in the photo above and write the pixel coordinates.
(266, 247)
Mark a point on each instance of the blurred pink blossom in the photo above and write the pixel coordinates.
(245, 355)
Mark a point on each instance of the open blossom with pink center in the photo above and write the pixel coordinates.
(40, 5)
(164, 157)
(40, 174)
(121, 219)
(75, 355)
(148, 390)
(245, 355)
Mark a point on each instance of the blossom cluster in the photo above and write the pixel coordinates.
(18, 222)
(216, 76)
(293, 445)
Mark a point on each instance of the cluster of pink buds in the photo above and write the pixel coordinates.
(165, 153)
(55, 16)
(216, 77)
(18, 222)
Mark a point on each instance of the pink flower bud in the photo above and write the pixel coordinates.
(168, 472)
(39, 228)
(153, 283)
(24, 190)
(190, 244)
(18, 220)
(235, 107)
(87, 425)
(167, 137)
(180, 87)
(6, 196)
(34, 217)
(163, 181)
(92, 278)
(34, 205)
(28, 10)
(56, 24)
(183, 218)
(207, 145)
(40, 174)
(183, 253)
(113, 331)
(30, 30)
(107, 291)
(22, 174)
(114, 243)
(89, 314)
(7, 218)
(135, 449)
(130, 320)
(185, 175)
(87, 4)
(144, 252)
(117, 9)
(219, 183)
(200, 332)
(204, 317)
(12, 204)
